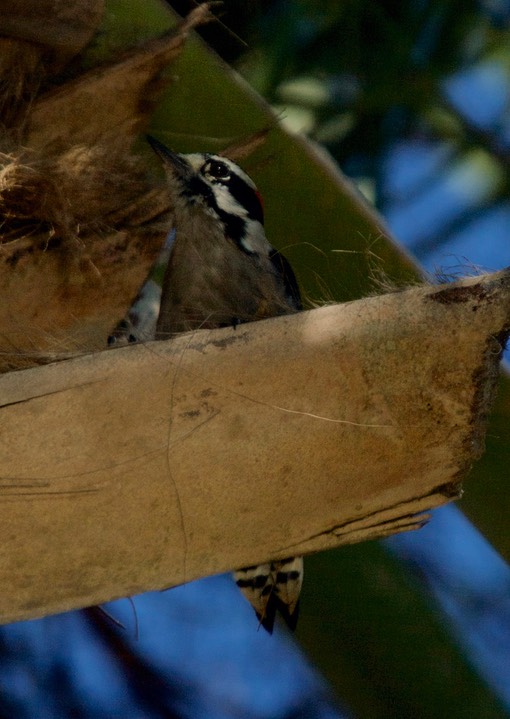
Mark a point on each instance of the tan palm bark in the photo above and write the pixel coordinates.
(145, 467)
(81, 217)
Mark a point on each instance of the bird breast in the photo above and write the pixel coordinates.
(211, 282)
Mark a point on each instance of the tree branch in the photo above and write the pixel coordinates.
(147, 466)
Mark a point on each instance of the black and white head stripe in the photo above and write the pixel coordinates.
(228, 192)
(220, 171)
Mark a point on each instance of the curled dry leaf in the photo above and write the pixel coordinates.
(38, 39)
(82, 218)
(60, 29)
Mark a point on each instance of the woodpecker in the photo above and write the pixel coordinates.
(222, 271)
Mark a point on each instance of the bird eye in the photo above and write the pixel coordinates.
(217, 170)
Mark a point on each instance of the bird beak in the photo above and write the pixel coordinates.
(171, 160)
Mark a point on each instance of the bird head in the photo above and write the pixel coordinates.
(217, 186)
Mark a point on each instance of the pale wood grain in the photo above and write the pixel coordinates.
(147, 466)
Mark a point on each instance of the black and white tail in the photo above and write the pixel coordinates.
(271, 588)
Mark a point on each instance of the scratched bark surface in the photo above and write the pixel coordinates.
(147, 466)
